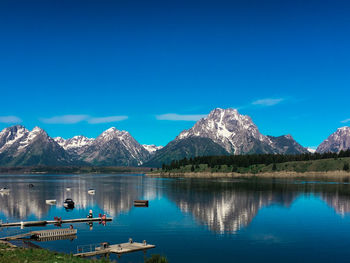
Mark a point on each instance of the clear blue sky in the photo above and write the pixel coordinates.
(123, 63)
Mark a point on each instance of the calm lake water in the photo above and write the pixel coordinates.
(192, 220)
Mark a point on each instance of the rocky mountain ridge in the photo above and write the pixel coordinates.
(221, 132)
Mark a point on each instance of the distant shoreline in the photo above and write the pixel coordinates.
(72, 170)
(334, 175)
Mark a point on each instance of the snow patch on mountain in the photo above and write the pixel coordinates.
(311, 149)
(151, 148)
(74, 142)
(30, 137)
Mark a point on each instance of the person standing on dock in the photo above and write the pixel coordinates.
(90, 214)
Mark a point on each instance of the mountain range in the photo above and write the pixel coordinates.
(222, 132)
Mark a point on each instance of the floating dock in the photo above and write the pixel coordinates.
(118, 249)
(44, 234)
(53, 222)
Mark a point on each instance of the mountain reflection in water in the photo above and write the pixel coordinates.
(224, 206)
(227, 206)
(112, 196)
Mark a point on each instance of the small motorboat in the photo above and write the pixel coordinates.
(30, 185)
(141, 203)
(51, 201)
(4, 190)
(68, 203)
(91, 191)
(68, 189)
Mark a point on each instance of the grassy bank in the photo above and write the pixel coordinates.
(326, 168)
(19, 255)
(13, 254)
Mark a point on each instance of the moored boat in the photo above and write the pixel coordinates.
(4, 190)
(141, 203)
(51, 201)
(68, 203)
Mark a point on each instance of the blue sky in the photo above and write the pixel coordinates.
(153, 67)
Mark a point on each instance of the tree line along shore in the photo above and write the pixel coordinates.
(334, 165)
(209, 166)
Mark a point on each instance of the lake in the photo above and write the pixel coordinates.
(192, 220)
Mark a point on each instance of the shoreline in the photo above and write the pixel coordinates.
(63, 170)
(335, 175)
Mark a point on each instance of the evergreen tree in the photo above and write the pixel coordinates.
(234, 168)
(274, 167)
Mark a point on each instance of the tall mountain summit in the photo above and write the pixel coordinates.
(21, 147)
(114, 147)
(229, 133)
(337, 141)
(238, 134)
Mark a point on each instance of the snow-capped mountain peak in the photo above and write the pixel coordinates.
(11, 135)
(151, 148)
(238, 134)
(112, 133)
(337, 141)
(228, 128)
(37, 129)
(115, 147)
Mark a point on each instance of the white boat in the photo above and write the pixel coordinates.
(51, 201)
(4, 190)
(91, 191)
(68, 189)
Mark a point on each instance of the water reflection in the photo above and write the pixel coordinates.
(114, 195)
(227, 206)
(222, 206)
(340, 202)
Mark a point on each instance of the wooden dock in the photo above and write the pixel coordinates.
(53, 222)
(44, 234)
(118, 249)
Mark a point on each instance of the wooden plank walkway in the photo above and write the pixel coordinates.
(118, 249)
(16, 236)
(54, 232)
(42, 234)
(48, 222)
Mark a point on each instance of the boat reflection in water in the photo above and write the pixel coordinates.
(115, 194)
